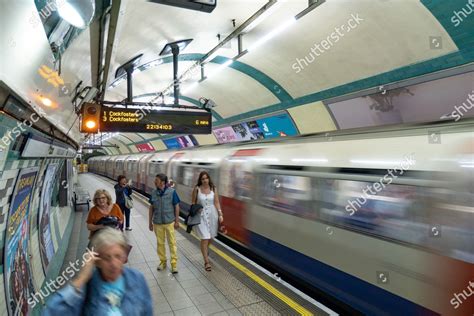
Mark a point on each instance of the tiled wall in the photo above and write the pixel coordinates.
(60, 221)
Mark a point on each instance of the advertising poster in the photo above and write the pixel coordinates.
(447, 98)
(17, 273)
(172, 143)
(225, 135)
(44, 227)
(277, 126)
(144, 148)
(181, 142)
(248, 131)
(187, 141)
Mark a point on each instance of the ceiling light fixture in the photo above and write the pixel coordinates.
(77, 13)
(251, 23)
(168, 49)
(46, 101)
(175, 48)
(128, 69)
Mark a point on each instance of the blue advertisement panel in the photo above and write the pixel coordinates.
(17, 272)
(172, 143)
(277, 126)
(44, 227)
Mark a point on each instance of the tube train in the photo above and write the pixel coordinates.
(380, 220)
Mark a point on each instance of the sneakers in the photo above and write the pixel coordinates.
(161, 266)
(128, 228)
(174, 269)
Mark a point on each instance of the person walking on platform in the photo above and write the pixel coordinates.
(104, 213)
(163, 219)
(123, 193)
(205, 193)
(104, 286)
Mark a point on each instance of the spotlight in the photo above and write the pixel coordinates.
(46, 101)
(78, 13)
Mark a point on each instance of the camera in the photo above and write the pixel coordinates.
(207, 103)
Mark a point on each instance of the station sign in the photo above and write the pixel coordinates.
(155, 121)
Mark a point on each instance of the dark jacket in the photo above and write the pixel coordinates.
(119, 193)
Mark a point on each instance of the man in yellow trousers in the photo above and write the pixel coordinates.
(163, 219)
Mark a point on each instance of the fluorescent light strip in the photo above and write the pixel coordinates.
(310, 160)
(262, 17)
(189, 88)
(220, 68)
(272, 34)
(376, 162)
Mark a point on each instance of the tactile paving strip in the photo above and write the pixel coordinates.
(247, 295)
(233, 289)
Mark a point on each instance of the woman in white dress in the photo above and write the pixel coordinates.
(205, 193)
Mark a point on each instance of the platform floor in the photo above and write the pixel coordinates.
(233, 287)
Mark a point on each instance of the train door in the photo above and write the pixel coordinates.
(236, 181)
(142, 175)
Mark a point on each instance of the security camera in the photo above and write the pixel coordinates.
(207, 103)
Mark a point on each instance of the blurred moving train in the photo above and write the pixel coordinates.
(381, 220)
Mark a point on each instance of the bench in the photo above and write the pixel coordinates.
(81, 197)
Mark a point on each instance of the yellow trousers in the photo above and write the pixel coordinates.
(162, 230)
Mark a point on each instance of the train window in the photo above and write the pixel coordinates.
(394, 212)
(188, 174)
(287, 193)
(153, 169)
(237, 178)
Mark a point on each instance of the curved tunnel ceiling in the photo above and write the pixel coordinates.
(382, 42)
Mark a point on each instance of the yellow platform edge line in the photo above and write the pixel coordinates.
(288, 301)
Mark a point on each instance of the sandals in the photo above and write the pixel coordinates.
(207, 266)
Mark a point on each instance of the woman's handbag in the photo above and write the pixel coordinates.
(128, 201)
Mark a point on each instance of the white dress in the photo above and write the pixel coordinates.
(209, 217)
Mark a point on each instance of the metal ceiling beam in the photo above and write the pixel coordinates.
(231, 36)
(240, 29)
(97, 31)
(109, 46)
